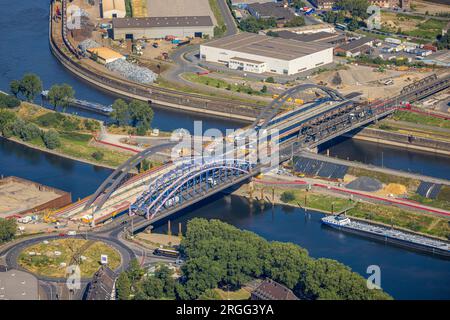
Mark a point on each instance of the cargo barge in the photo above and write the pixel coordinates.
(388, 235)
(82, 104)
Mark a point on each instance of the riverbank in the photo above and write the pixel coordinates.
(74, 135)
(162, 96)
(331, 203)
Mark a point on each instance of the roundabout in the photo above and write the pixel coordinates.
(47, 257)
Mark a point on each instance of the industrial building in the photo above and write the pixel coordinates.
(105, 55)
(259, 53)
(244, 3)
(279, 12)
(320, 37)
(356, 47)
(113, 9)
(160, 27)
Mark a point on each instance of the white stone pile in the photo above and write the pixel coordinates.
(88, 44)
(132, 71)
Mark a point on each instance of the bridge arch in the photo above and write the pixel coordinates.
(193, 181)
(115, 179)
(274, 107)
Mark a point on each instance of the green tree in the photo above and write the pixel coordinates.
(8, 101)
(6, 117)
(134, 272)
(287, 196)
(264, 89)
(357, 8)
(270, 80)
(51, 139)
(60, 95)
(14, 87)
(30, 86)
(8, 229)
(120, 112)
(140, 113)
(97, 155)
(123, 286)
(152, 288)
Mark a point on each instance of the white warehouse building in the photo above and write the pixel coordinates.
(259, 53)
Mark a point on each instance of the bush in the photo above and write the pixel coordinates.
(287, 196)
(270, 80)
(98, 155)
(51, 139)
(8, 101)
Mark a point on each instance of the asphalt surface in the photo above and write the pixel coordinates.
(182, 65)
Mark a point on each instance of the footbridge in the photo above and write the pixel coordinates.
(186, 181)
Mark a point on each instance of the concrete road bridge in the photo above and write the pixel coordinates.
(177, 185)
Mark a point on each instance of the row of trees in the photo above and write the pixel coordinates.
(28, 87)
(10, 126)
(220, 255)
(134, 284)
(137, 113)
(8, 229)
(31, 85)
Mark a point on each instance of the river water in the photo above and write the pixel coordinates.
(405, 274)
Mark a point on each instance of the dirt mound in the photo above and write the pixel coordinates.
(365, 184)
(395, 189)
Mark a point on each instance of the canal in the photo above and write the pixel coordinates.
(405, 274)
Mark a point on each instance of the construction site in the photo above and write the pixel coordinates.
(19, 196)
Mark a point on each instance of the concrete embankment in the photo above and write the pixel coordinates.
(187, 102)
(402, 140)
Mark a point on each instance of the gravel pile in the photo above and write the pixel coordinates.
(365, 184)
(88, 44)
(131, 71)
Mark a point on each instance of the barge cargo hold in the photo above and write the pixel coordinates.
(388, 235)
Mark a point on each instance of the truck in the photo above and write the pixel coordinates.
(24, 220)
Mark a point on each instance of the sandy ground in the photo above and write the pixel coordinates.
(363, 79)
(422, 7)
(16, 197)
(179, 8)
(159, 239)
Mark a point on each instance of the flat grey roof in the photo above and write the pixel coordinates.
(155, 22)
(310, 37)
(356, 43)
(266, 46)
(18, 285)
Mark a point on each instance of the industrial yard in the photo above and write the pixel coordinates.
(18, 196)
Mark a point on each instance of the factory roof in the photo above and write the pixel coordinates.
(261, 45)
(271, 9)
(311, 37)
(356, 43)
(271, 290)
(18, 285)
(105, 53)
(154, 22)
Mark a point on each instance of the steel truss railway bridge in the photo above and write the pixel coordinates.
(187, 181)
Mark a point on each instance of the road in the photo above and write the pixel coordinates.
(183, 65)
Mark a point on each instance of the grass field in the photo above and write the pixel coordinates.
(221, 84)
(46, 263)
(416, 26)
(240, 294)
(421, 119)
(75, 134)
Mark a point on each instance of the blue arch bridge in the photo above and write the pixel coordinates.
(188, 181)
